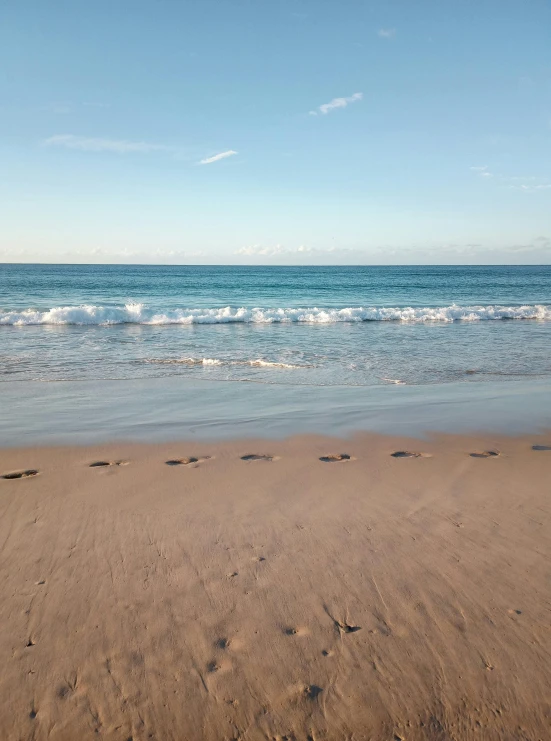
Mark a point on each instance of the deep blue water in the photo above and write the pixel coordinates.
(169, 287)
(317, 326)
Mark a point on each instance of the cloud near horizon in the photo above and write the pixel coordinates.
(258, 250)
(217, 157)
(531, 251)
(398, 254)
(91, 144)
(386, 33)
(326, 108)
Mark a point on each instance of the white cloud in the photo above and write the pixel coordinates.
(137, 256)
(217, 157)
(528, 184)
(482, 171)
(531, 188)
(386, 33)
(117, 146)
(258, 250)
(526, 251)
(337, 103)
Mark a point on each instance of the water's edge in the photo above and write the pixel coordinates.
(159, 410)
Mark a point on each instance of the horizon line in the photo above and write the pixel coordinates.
(285, 265)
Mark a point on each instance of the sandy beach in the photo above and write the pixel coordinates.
(280, 596)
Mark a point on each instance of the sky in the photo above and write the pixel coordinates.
(275, 131)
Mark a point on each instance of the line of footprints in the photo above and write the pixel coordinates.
(250, 457)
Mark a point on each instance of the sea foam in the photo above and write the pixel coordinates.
(140, 314)
(257, 363)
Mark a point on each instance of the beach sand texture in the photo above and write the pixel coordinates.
(279, 596)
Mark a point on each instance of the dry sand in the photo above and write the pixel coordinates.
(370, 598)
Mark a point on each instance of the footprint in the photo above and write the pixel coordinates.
(221, 666)
(346, 628)
(186, 461)
(101, 464)
(485, 454)
(258, 457)
(300, 631)
(541, 447)
(342, 625)
(336, 458)
(312, 691)
(407, 454)
(20, 474)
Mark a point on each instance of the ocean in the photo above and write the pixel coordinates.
(211, 333)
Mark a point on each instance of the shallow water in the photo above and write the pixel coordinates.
(90, 353)
(164, 409)
(354, 326)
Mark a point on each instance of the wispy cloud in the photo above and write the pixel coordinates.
(326, 108)
(527, 183)
(386, 33)
(116, 146)
(262, 251)
(258, 250)
(217, 157)
(531, 187)
(482, 171)
(447, 253)
(529, 251)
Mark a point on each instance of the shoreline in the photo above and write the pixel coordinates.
(230, 449)
(374, 597)
(163, 409)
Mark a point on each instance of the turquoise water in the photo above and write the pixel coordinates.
(356, 326)
(148, 352)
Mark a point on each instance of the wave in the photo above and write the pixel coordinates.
(184, 361)
(140, 314)
(216, 361)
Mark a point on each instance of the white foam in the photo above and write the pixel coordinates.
(185, 361)
(258, 363)
(266, 364)
(140, 314)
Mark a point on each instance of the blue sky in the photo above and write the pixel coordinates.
(280, 131)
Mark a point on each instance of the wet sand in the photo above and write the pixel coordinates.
(279, 596)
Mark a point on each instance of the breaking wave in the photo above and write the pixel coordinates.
(140, 314)
(216, 361)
